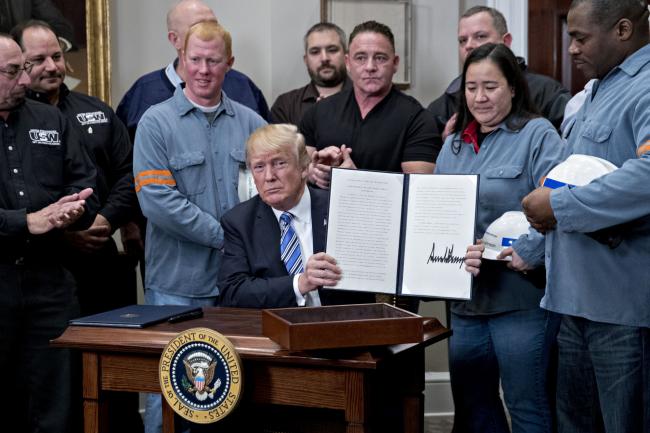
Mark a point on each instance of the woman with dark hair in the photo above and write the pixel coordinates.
(501, 334)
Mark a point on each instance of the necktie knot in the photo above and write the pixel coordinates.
(285, 219)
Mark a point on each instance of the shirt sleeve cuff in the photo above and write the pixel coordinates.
(559, 203)
(300, 299)
(530, 248)
(16, 221)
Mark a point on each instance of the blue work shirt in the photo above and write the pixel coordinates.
(586, 278)
(186, 177)
(510, 165)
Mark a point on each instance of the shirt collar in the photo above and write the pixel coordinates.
(42, 97)
(184, 106)
(311, 93)
(300, 212)
(470, 135)
(172, 75)
(633, 64)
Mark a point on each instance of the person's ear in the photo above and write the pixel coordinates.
(624, 29)
(395, 64)
(172, 37)
(507, 40)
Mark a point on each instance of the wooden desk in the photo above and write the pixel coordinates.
(352, 381)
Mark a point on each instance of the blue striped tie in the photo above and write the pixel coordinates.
(289, 245)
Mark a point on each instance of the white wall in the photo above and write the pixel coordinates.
(267, 42)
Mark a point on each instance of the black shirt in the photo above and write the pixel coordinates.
(41, 160)
(291, 106)
(108, 144)
(396, 130)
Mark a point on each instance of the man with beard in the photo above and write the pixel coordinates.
(46, 180)
(325, 60)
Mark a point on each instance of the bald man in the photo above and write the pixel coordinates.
(159, 85)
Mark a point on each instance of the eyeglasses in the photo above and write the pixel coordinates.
(13, 71)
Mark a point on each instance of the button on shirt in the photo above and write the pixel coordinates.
(510, 164)
(42, 160)
(107, 141)
(301, 223)
(186, 177)
(586, 278)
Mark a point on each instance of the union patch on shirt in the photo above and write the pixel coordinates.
(44, 136)
(92, 118)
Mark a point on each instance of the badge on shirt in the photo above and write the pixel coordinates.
(92, 118)
(45, 136)
(200, 375)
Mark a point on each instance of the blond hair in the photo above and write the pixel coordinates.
(208, 31)
(282, 137)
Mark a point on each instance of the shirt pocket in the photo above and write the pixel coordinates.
(501, 188)
(190, 172)
(595, 137)
(48, 164)
(236, 165)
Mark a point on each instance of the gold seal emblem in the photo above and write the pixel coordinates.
(200, 375)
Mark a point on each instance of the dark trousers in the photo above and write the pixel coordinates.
(36, 302)
(515, 348)
(105, 281)
(603, 377)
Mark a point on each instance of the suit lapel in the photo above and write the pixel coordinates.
(267, 234)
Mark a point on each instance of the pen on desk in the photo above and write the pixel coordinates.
(186, 316)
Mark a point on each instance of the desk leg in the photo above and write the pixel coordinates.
(95, 409)
(167, 417)
(413, 392)
(413, 414)
(355, 402)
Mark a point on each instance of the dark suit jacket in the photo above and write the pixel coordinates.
(252, 274)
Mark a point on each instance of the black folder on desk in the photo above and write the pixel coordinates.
(139, 316)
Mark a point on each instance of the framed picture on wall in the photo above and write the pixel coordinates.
(396, 14)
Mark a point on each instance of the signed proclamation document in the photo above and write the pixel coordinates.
(402, 234)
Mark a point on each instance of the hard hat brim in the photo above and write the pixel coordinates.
(490, 254)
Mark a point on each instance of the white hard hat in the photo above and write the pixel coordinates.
(503, 232)
(577, 170)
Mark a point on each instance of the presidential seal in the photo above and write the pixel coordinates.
(200, 375)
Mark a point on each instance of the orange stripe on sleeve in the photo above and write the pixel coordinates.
(153, 173)
(644, 148)
(153, 180)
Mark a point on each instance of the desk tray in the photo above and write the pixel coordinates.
(338, 326)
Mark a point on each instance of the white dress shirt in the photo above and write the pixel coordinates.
(301, 223)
